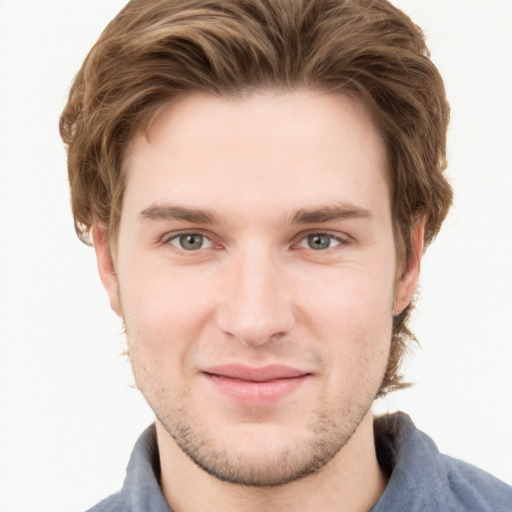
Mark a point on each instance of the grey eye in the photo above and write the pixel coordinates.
(190, 241)
(319, 241)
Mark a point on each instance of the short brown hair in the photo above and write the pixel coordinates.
(156, 50)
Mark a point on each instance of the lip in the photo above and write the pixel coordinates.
(256, 386)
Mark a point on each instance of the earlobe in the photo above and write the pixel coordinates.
(406, 283)
(106, 267)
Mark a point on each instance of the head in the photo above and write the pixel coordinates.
(154, 53)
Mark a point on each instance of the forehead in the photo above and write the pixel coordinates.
(284, 150)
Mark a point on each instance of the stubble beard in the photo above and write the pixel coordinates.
(328, 431)
(306, 456)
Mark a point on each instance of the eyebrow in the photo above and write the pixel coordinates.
(302, 216)
(330, 213)
(170, 213)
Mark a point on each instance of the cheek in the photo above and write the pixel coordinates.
(352, 320)
(359, 339)
(164, 312)
(158, 292)
(354, 298)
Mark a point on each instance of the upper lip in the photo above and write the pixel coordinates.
(255, 374)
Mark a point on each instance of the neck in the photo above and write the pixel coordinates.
(351, 482)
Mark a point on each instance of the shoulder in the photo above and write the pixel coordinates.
(114, 503)
(475, 488)
(422, 479)
(141, 489)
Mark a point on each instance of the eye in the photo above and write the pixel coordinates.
(319, 241)
(190, 241)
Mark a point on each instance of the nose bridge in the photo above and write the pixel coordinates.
(256, 306)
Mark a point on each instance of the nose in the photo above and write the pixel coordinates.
(256, 305)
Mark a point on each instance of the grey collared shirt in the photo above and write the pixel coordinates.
(421, 478)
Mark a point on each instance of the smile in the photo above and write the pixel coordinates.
(256, 386)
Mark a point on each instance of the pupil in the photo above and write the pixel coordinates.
(190, 242)
(318, 242)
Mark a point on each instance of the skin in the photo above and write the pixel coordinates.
(256, 287)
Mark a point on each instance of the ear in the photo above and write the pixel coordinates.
(406, 283)
(106, 268)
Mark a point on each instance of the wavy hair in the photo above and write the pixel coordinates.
(156, 50)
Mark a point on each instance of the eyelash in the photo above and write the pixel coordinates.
(177, 236)
(304, 239)
(340, 240)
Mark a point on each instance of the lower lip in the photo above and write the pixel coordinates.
(253, 393)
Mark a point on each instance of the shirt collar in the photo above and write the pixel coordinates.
(409, 456)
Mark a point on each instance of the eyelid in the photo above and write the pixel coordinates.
(168, 235)
(341, 238)
(173, 235)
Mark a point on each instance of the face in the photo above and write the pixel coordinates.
(255, 273)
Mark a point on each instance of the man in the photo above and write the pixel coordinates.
(259, 180)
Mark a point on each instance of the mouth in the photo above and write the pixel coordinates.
(252, 386)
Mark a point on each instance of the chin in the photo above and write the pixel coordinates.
(261, 454)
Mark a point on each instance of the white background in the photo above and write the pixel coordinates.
(68, 416)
